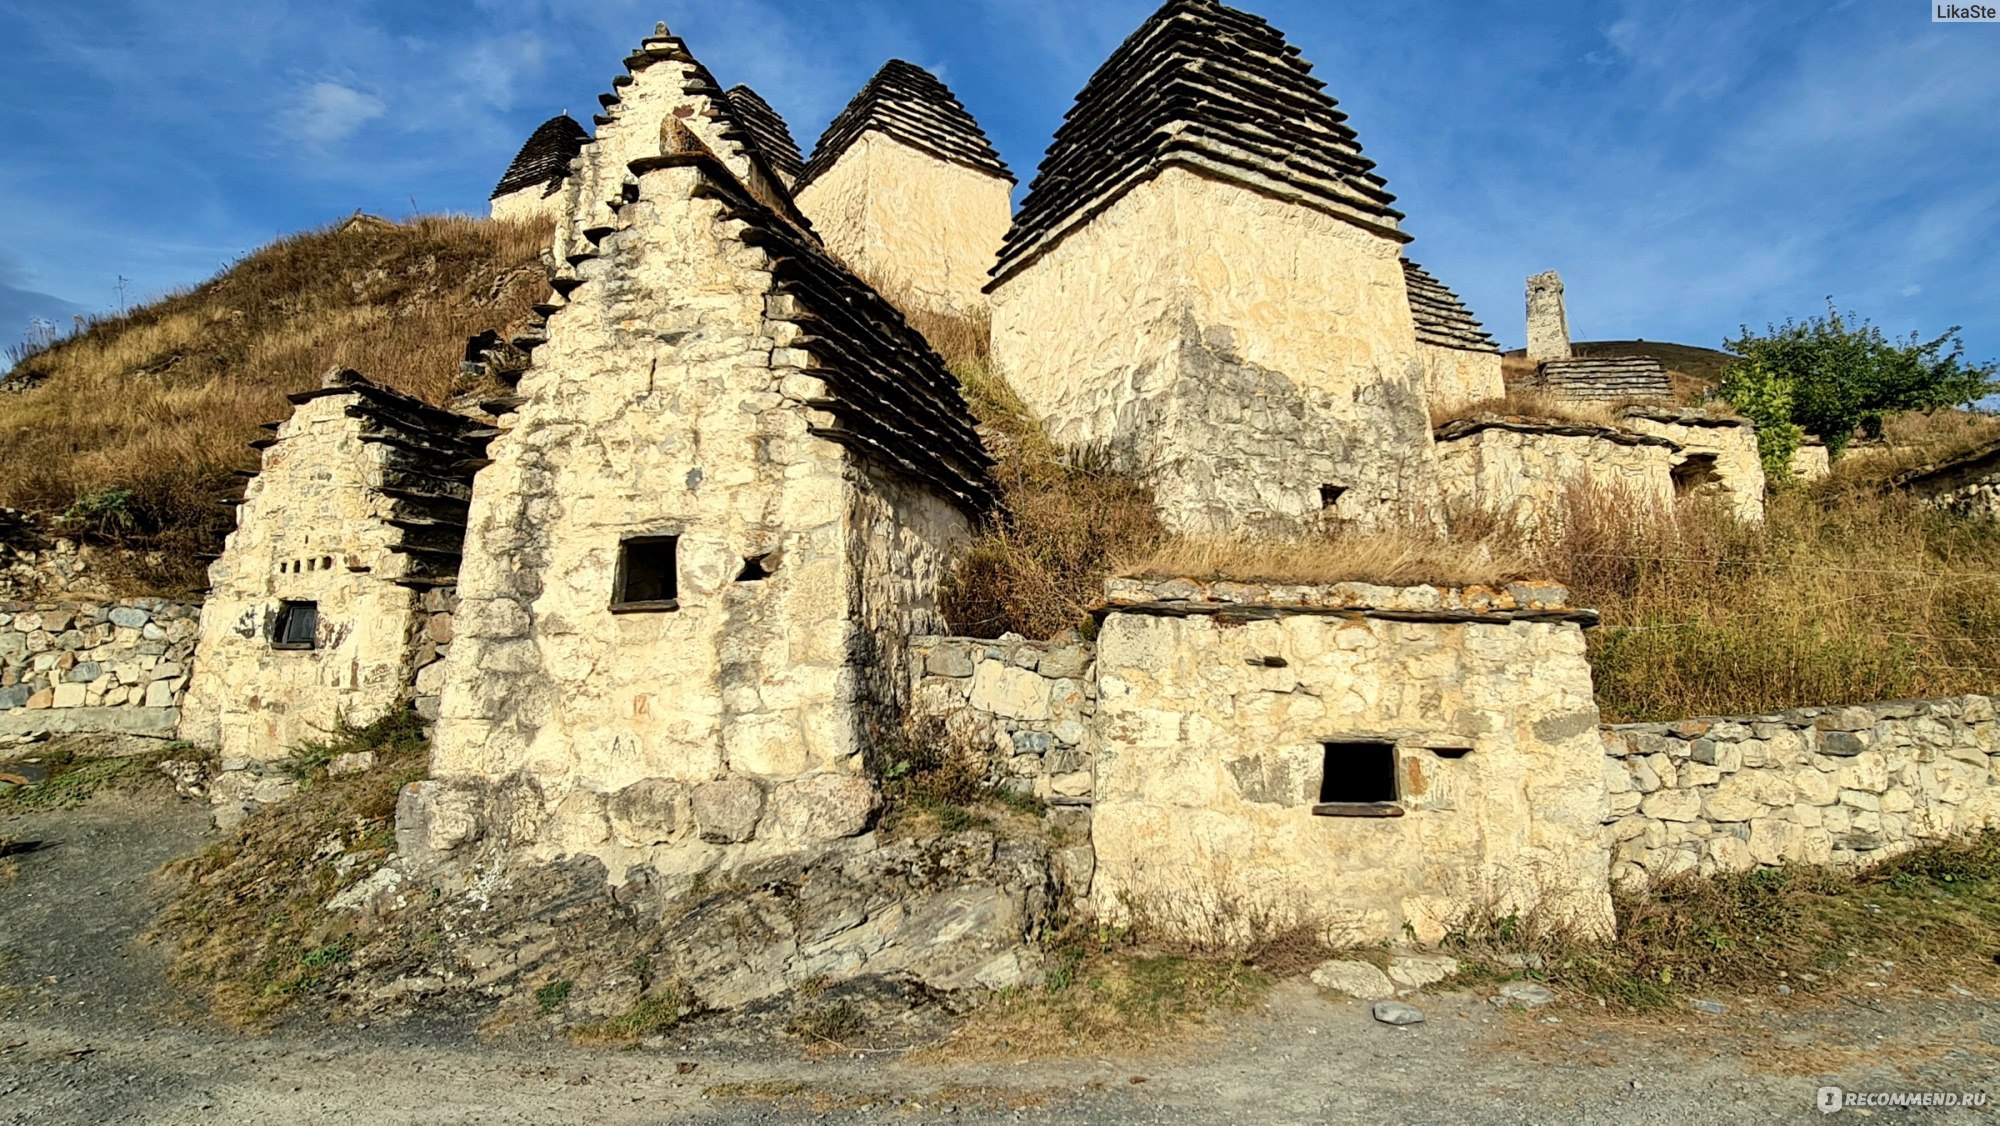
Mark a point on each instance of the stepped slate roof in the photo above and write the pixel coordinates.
(907, 102)
(1610, 377)
(1205, 86)
(767, 128)
(890, 396)
(545, 158)
(1442, 319)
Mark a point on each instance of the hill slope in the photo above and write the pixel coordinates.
(133, 428)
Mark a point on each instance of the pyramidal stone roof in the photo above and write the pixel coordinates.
(545, 158)
(907, 102)
(767, 129)
(1209, 87)
(1442, 319)
(1606, 378)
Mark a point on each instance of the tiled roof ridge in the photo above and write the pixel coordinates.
(1203, 85)
(544, 157)
(904, 101)
(767, 127)
(1442, 319)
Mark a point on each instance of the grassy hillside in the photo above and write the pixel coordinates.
(130, 431)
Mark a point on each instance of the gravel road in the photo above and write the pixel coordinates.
(91, 1033)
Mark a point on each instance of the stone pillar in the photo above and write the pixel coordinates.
(1548, 324)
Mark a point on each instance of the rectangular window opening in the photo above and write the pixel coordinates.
(1358, 779)
(297, 626)
(648, 574)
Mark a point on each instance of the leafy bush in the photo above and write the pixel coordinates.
(1841, 375)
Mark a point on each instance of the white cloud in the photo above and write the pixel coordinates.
(327, 113)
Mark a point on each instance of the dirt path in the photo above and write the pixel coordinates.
(90, 1033)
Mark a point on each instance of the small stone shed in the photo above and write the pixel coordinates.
(712, 523)
(1528, 468)
(1206, 281)
(1718, 455)
(531, 188)
(347, 542)
(1377, 762)
(907, 191)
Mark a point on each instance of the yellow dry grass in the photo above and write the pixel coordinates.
(1388, 556)
(141, 419)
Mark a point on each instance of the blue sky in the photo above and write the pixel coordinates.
(1687, 166)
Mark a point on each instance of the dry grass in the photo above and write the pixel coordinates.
(1855, 598)
(1535, 405)
(1393, 557)
(1921, 920)
(137, 423)
(1911, 441)
(248, 920)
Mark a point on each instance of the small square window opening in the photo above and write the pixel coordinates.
(648, 574)
(1358, 779)
(296, 627)
(1329, 495)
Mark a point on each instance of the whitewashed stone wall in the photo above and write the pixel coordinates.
(94, 666)
(530, 204)
(1238, 351)
(1215, 701)
(1456, 378)
(1730, 442)
(312, 527)
(922, 230)
(1810, 461)
(1526, 470)
(1845, 785)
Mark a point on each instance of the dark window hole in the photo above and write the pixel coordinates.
(757, 568)
(1329, 494)
(297, 626)
(1358, 779)
(648, 574)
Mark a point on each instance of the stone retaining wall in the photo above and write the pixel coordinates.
(1845, 785)
(1028, 704)
(94, 666)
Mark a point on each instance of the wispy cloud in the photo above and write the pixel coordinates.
(326, 113)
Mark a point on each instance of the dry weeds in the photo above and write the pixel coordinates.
(139, 422)
(1389, 556)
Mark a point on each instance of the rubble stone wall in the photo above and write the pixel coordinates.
(1845, 785)
(1028, 705)
(1526, 470)
(1548, 321)
(1731, 443)
(94, 666)
(312, 527)
(918, 228)
(1215, 707)
(1251, 358)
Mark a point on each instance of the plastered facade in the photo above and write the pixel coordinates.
(1455, 378)
(312, 527)
(1238, 351)
(1209, 751)
(1527, 470)
(921, 229)
(530, 204)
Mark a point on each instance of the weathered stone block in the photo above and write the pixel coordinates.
(726, 811)
(434, 818)
(1672, 805)
(825, 807)
(1010, 692)
(129, 617)
(1354, 979)
(1867, 770)
(649, 812)
(948, 660)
